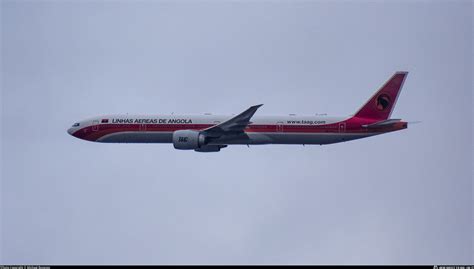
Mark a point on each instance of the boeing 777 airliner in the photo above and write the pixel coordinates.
(210, 133)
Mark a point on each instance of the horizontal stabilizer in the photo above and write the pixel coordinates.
(383, 123)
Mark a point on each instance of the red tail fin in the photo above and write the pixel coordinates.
(381, 104)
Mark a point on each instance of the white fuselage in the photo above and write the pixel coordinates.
(261, 130)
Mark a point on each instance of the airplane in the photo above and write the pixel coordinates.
(211, 133)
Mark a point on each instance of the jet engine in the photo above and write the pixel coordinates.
(188, 139)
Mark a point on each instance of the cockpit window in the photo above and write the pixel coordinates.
(75, 124)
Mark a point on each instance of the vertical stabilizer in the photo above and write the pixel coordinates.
(381, 104)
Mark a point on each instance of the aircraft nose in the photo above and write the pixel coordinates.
(70, 131)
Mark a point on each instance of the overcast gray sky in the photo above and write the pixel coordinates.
(403, 197)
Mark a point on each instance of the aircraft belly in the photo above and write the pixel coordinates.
(243, 139)
(289, 138)
(138, 137)
(248, 139)
(315, 139)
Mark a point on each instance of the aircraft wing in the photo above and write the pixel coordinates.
(235, 125)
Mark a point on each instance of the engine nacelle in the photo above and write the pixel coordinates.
(188, 139)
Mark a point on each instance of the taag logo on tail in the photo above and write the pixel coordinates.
(383, 102)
